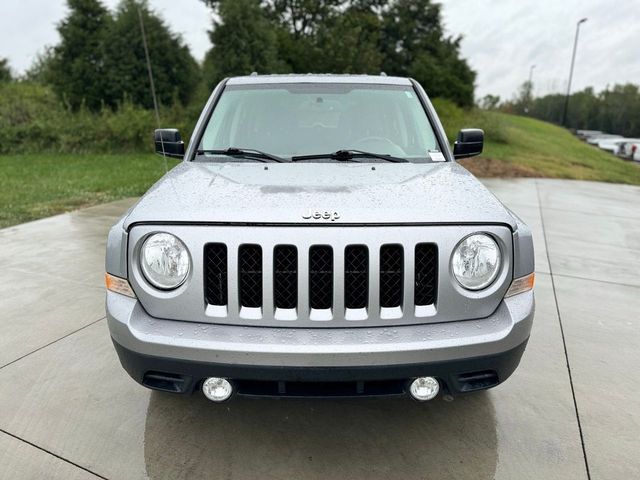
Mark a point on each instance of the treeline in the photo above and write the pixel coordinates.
(100, 59)
(398, 37)
(91, 91)
(614, 110)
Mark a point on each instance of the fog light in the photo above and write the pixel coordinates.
(217, 389)
(424, 388)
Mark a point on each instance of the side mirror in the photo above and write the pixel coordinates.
(469, 143)
(168, 142)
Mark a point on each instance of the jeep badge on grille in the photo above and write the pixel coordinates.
(321, 215)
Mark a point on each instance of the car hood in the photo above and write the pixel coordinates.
(350, 193)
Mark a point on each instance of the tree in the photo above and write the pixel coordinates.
(40, 69)
(348, 43)
(414, 44)
(303, 17)
(100, 58)
(490, 102)
(299, 17)
(620, 110)
(176, 73)
(547, 108)
(400, 37)
(243, 40)
(5, 71)
(523, 101)
(76, 70)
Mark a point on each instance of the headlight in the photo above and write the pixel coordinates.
(476, 261)
(164, 261)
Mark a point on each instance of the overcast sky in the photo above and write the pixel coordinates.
(502, 38)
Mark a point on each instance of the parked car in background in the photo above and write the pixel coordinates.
(594, 140)
(613, 145)
(627, 147)
(635, 152)
(584, 134)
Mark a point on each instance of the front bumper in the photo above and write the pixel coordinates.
(485, 350)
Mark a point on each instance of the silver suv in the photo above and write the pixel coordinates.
(319, 239)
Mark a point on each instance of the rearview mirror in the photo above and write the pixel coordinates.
(469, 143)
(168, 142)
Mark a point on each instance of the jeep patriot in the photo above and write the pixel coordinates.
(319, 239)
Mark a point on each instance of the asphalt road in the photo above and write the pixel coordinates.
(68, 410)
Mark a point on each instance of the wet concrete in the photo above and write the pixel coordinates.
(68, 410)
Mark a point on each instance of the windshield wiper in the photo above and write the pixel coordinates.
(250, 153)
(350, 154)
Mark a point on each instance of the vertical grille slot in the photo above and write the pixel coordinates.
(320, 277)
(285, 276)
(391, 266)
(426, 274)
(215, 267)
(356, 276)
(250, 275)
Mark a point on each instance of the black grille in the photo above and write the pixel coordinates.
(285, 276)
(250, 278)
(391, 263)
(268, 388)
(356, 276)
(320, 277)
(426, 274)
(215, 267)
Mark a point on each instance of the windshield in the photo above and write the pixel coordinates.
(306, 119)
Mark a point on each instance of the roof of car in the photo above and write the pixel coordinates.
(255, 79)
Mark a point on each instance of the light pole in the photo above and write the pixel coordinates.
(573, 59)
(531, 74)
(530, 89)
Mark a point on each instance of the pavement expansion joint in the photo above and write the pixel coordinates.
(52, 342)
(564, 343)
(42, 449)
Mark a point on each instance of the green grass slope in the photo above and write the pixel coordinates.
(522, 146)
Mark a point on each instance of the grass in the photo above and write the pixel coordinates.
(522, 146)
(40, 185)
(36, 186)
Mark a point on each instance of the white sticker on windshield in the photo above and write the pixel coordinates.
(436, 156)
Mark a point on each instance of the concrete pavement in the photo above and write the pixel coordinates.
(68, 410)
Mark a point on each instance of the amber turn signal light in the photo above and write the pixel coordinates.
(118, 285)
(521, 285)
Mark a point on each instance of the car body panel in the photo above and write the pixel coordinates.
(133, 328)
(625, 148)
(318, 78)
(614, 145)
(594, 140)
(381, 193)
